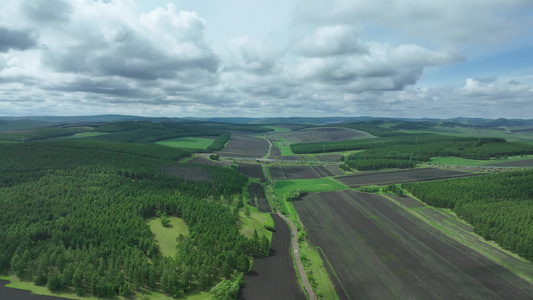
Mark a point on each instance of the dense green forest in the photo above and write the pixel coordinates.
(499, 206)
(74, 218)
(130, 131)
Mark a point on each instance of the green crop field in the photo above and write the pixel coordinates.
(309, 185)
(188, 142)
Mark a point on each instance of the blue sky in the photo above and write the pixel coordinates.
(251, 58)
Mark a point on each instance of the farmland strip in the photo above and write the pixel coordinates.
(379, 251)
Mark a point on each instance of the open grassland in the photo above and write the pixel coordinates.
(273, 277)
(377, 250)
(166, 236)
(13, 289)
(401, 176)
(458, 161)
(256, 221)
(188, 142)
(309, 185)
(245, 146)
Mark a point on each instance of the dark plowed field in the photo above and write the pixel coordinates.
(275, 151)
(377, 250)
(245, 146)
(273, 277)
(200, 160)
(325, 134)
(252, 170)
(334, 169)
(329, 157)
(293, 172)
(287, 157)
(528, 163)
(391, 177)
(16, 294)
(256, 192)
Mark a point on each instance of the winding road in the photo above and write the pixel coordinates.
(294, 233)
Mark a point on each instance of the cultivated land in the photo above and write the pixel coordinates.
(273, 277)
(294, 172)
(391, 177)
(515, 164)
(202, 160)
(251, 170)
(188, 142)
(377, 250)
(245, 146)
(323, 134)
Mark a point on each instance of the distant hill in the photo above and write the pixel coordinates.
(26, 122)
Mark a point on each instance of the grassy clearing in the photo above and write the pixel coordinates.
(166, 236)
(456, 161)
(284, 147)
(256, 221)
(82, 135)
(15, 283)
(188, 142)
(278, 129)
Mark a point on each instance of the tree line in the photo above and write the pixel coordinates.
(499, 206)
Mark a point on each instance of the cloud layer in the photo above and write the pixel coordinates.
(94, 57)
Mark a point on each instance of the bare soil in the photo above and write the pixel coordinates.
(293, 172)
(245, 146)
(251, 170)
(515, 164)
(273, 277)
(377, 250)
(313, 135)
(393, 177)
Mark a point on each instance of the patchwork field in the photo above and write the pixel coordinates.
(377, 250)
(323, 134)
(391, 177)
(252, 170)
(256, 192)
(273, 277)
(245, 146)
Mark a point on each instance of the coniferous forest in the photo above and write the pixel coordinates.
(499, 206)
(73, 218)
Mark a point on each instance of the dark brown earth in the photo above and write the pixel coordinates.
(377, 250)
(392, 177)
(245, 146)
(251, 170)
(292, 172)
(273, 277)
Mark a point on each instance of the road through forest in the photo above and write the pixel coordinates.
(294, 233)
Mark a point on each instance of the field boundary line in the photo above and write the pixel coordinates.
(333, 271)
